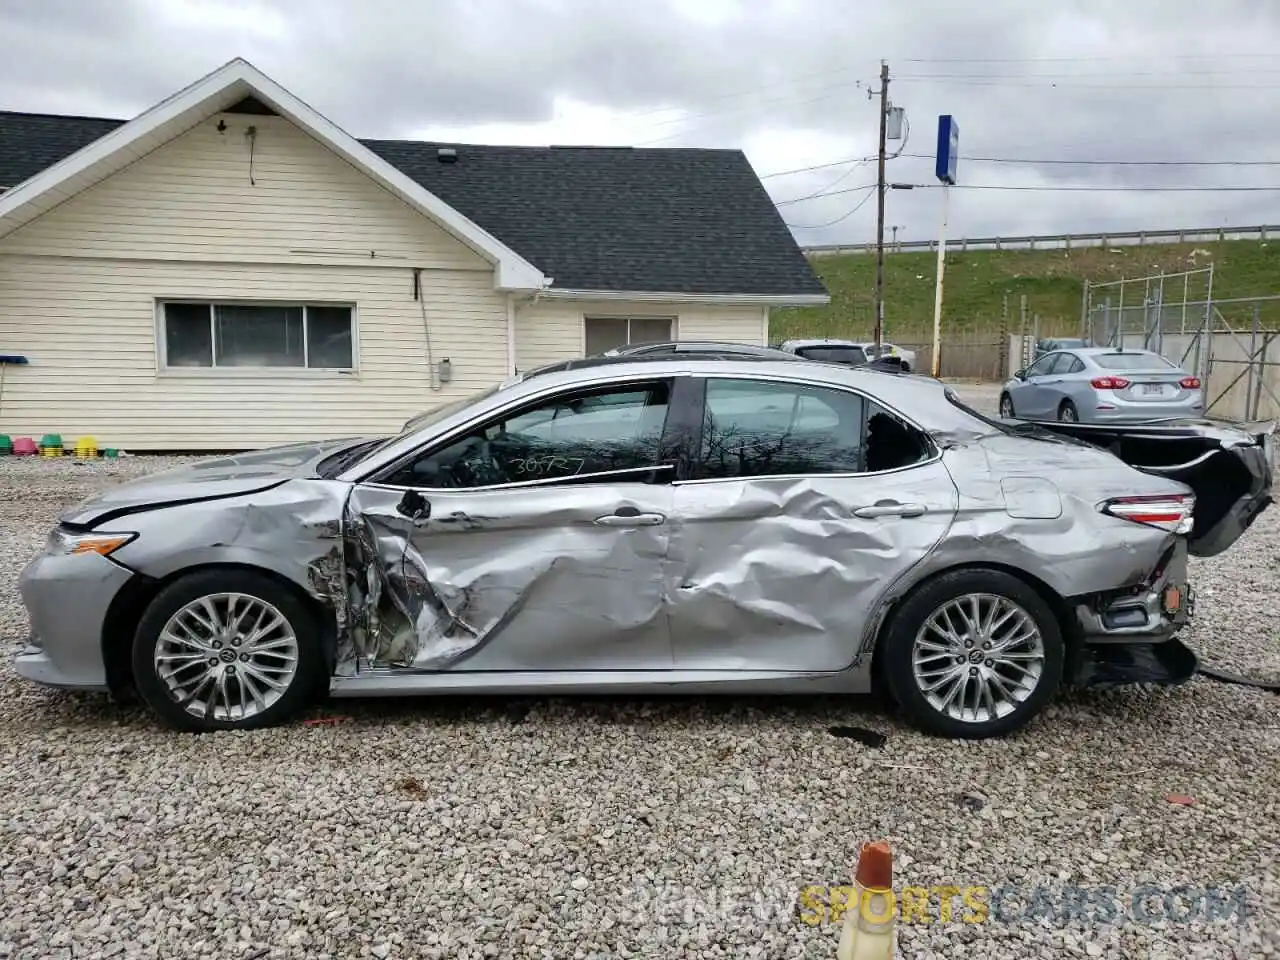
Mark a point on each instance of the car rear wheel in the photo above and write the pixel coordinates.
(973, 654)
(226, 650)
(1067, 412)
(1006, 407)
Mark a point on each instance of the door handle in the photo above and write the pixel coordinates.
(630, 520)
(891, 508)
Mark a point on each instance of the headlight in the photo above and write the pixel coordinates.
(64, 542)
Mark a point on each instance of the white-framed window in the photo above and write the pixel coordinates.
(606, 333)
(210, 335)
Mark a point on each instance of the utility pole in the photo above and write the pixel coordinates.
(884, 119)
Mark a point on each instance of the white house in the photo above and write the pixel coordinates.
(230, 270)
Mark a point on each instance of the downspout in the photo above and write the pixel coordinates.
(511, 334)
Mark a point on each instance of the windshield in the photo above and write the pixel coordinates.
(833, 354)
(1132, 361)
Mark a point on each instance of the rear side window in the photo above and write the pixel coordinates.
(833, 354)
(757, 428)
(1132, 361)
(1066, 363)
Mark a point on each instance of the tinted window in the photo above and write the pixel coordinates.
(833, 354)
(575, 434)
(1041, 366)
(1062, 363)
(1132, 361)
(754, 428)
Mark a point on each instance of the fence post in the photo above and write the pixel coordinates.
(1004, 337)
(1027, 346)
(1250, 403)
(1262, 373)
(1084, 310)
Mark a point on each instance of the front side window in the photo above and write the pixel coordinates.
(579, 434)
(755, 428)
(1042, 366)
(271, 336)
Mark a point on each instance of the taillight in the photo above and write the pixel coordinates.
(1170, 512)
(1108, 383)
(1189, 383)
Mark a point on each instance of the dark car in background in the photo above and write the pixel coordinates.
(1054, 344)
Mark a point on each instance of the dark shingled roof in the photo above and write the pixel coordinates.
(592, 218)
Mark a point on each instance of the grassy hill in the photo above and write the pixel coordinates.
(1053, 280)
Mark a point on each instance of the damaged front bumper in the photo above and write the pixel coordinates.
(1130, 636)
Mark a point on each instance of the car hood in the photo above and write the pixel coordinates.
(211, 479)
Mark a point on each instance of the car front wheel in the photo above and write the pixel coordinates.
(1006, 407)
(973, 654)
(226, 650)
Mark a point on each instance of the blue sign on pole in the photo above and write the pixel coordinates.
(948, 149)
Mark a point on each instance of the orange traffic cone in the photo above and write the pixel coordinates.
(868, 929)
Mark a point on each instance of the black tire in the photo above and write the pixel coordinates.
(1067, 412)
(307, 674)
(1006, 407)
(908, 621)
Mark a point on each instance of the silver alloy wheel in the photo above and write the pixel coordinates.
(978, 658)
(1006, 408)
(227, 656)
(1068, 414)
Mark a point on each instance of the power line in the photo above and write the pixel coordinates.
(825, 191)
(844, 216)
(1055, 85)
(1095, 59)
(1086, 189)
(1111, 163)
(1049, 189)
(1087, 76)
(817, 166)
(830, 193)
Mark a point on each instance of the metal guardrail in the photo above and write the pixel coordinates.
(1059, 241)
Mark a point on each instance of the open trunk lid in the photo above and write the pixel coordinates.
(1228, 466)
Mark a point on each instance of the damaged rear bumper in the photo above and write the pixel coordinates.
(1130, 636)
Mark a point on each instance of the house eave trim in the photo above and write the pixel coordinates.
(650, 296)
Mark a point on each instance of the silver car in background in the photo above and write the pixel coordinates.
(668, 524)
(1102, 385)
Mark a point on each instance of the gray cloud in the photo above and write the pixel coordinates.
(779, 76)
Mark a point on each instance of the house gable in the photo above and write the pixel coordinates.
(246, 188)
(225, 88)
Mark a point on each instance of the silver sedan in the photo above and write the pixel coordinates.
(1102, 385)
(652, 525)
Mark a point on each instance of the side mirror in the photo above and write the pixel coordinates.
(1020, 374)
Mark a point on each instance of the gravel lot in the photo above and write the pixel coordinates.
(626, 827)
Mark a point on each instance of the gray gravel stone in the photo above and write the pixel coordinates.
(622, 827)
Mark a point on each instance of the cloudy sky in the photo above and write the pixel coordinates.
(785, 80)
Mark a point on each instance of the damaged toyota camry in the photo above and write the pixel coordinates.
(663, 525)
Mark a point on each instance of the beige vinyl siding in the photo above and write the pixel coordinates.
(552, 330)
(191, 199)
(89, 329)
